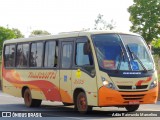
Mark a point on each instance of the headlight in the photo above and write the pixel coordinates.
(153, 84)
(108, 84)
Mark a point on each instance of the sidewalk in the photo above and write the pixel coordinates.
(0, 85)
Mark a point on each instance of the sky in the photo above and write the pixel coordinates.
(57, 16)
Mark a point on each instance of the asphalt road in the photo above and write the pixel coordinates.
(60, 112)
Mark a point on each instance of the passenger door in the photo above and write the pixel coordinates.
(83, 73)
(65, 71)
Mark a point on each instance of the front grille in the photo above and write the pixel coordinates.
(130, 87)
(133, 97)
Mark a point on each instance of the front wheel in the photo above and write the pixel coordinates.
(132, 108)
(29, 102)
(81, 103)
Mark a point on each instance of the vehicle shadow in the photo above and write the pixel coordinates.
(59, 111)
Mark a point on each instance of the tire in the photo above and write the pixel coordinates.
(81, 103)
(132, 108)
(67, 104)
(29, 102)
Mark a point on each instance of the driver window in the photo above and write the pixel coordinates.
(83, 55)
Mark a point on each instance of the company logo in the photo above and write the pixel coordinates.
(133, 87)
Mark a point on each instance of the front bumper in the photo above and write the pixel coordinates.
(109, 97)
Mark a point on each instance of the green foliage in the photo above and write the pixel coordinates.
(101, 24)
(17, 33)
(145, 17)
(39, 32)
(156, 60)
(156, 46)
(5, 34)
(156, 43)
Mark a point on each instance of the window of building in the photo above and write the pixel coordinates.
(9, 56)
(22, 55)
(50, 54)
(36, 54)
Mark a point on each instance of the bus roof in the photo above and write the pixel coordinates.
(65, 35)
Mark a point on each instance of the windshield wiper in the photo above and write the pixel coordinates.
(122, 57)
(135, 56)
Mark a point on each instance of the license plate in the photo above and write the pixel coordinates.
(133, 102)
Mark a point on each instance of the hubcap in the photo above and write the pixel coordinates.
(82, 103)
(27, 98)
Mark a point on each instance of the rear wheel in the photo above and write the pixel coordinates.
(29, 102)
(81, 103)
(132, 108)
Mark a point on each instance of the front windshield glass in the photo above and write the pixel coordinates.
(122, 52)
(110, 52)
(140, 58)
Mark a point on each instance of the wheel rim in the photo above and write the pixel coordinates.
(27, 98)
(82, 103)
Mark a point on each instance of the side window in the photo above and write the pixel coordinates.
(36, 54)
(50, 54)
(9, 55)
(81, 58)
(83, 55)
(66, 54)
(22, 55)
(6, 56)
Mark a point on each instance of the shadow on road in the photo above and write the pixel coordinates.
(57, 111)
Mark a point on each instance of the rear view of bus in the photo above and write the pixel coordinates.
(127, 72)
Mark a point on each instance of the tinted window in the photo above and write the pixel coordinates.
(36, 54)
(140, 56)
(66, 55)
(9, 55)
(109, 52)
(50, 54)
(81, 58)
(83, 55)
(22, 55)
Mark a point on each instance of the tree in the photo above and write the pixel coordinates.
(145, 17)
(17, 33)
(5, 34)
(156, 43)
(39, 32)
(101, 24)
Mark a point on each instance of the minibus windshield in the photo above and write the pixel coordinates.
(122, 52)
(140, 56)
